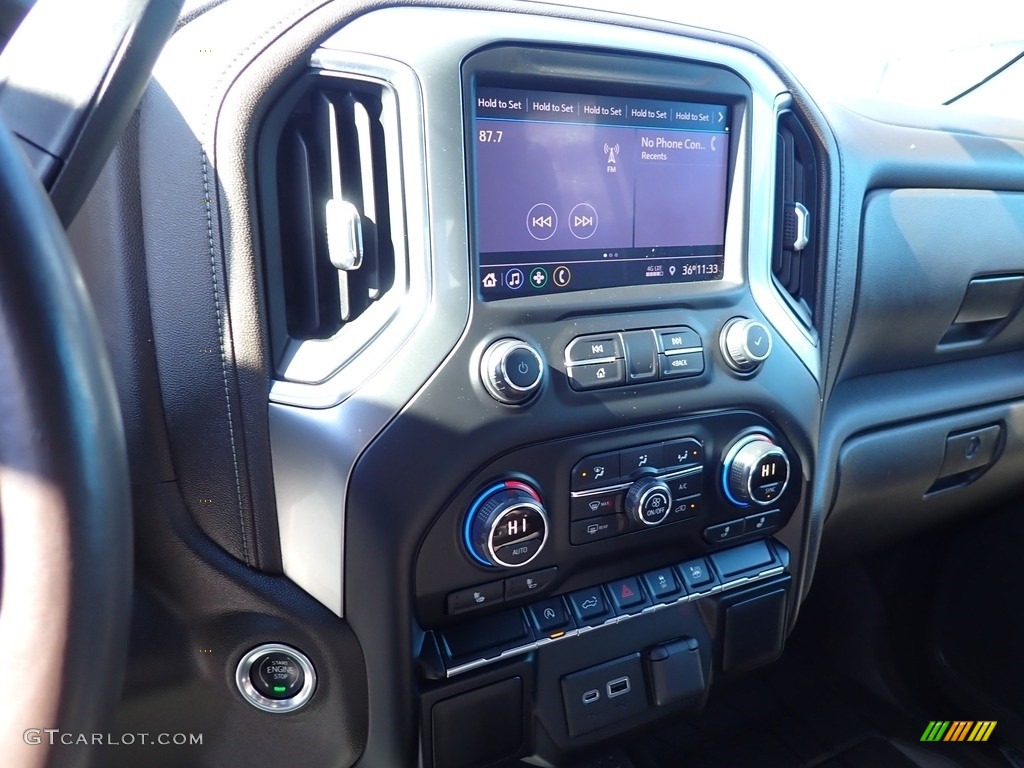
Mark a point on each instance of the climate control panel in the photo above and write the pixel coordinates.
(547, 517)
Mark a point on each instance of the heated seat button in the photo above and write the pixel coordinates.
(529, 583)
(696, 574)
(277, 675)
(765, 521)
(476, 597)
(722, 532)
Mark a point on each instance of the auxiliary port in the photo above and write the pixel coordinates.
(617, 687)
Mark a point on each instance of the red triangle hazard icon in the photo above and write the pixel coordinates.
(626, 591)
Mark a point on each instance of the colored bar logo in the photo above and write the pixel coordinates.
(958, 730)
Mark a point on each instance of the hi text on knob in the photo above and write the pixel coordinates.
(755, 471)
(506, 526)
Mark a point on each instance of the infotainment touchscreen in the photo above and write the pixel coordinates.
(576, 191)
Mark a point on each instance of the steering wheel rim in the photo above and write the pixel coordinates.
(65, 509)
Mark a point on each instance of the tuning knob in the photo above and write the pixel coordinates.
(648, 501)
(506, 525)
(746, 344)
(755, 470)
(511, 371)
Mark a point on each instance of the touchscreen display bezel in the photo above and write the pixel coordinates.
(635, 78)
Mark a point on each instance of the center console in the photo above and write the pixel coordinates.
(634, 559)
(591, 501)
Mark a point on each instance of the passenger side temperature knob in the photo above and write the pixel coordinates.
(649, 501)
(746, 344)
(511, 371)
(506, 525)
(755, 470)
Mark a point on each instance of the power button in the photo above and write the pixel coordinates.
(522, 366)
(511, 371)
(276, 678)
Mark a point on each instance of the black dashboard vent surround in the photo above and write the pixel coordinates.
(795, 246)
(325, 178)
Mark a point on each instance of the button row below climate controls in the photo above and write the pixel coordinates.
(495, 592)
(731, 530)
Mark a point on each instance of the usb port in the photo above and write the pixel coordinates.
(591, 696)
(617, 687)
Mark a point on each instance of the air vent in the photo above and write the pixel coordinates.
(795, 248)
(326, 156)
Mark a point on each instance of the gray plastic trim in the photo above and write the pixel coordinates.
(315, 447)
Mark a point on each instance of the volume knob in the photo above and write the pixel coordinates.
(511, 371)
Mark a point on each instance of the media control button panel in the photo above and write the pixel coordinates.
(633, 357)
(555, 516)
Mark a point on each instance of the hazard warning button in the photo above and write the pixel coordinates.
(627, 593)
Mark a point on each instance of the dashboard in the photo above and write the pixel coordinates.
(543, 357)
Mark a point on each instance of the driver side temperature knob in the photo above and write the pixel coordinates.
(511, 371)
(755, 470)
(506, 525)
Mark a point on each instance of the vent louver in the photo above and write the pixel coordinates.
(794, 247)
(327, 208)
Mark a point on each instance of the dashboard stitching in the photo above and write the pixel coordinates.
(210, 123)
(223, 351)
